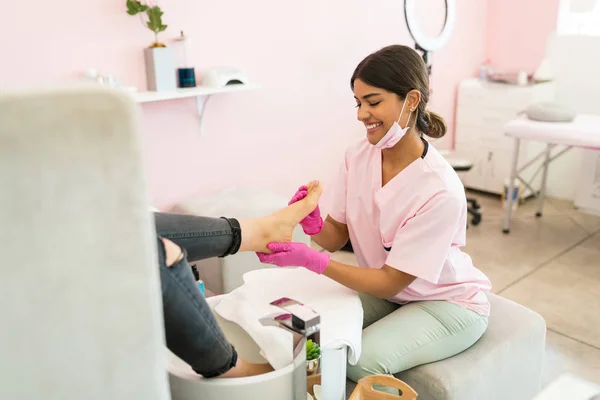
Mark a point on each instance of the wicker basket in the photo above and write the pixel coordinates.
(311, 381)
(364, 390)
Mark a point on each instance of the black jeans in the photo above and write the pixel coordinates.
(191, 330)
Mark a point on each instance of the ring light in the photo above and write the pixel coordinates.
(425, 42)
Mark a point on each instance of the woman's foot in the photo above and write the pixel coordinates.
(278, 227)
(282, 223)
(243, 368)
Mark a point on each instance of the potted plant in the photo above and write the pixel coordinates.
(160, 62)
(154, 15)
(313, 356)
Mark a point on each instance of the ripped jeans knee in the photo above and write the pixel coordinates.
(173, 253)
(192, 332)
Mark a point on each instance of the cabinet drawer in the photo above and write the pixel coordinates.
(485, 137)
(468, 94)
(469, 115)
(491, 96)
(498, 141)
(509, 99)
(487, 118)
(498, 117)
(469, 134)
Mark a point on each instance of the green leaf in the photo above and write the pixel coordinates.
(312, 350)
(155, 19)
(134, 7)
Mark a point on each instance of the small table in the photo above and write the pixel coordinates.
(583, 132)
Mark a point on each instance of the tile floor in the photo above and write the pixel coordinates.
(551, 265)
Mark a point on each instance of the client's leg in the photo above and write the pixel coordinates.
(192, 333)
(204, 237)
(191, 330)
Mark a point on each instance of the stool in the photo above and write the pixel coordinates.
(506, 363)
(464, 165)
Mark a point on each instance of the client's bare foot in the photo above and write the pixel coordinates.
(278, 227)
(282, 223)
(243, 368)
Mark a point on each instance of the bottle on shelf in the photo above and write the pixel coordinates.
(484, 70)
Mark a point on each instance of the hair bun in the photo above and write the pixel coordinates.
(436, 127)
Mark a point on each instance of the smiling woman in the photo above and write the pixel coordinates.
(404, 209)
(388, 83)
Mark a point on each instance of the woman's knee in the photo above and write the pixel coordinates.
(355, 372)
(173, 253)
(365, 367)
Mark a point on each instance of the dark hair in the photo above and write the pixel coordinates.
(400, 69)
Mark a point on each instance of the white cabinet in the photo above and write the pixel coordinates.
(473, 178)
(483, 109)
(588, 192)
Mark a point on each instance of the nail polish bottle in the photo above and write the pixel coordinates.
(199, 281)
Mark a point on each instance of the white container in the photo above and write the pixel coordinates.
(588, 191)
(161, 74)
(185, 384)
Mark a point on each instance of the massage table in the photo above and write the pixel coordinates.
(583, 132)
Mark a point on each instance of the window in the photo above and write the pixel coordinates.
(578, 17)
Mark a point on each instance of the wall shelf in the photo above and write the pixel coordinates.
(201, 93)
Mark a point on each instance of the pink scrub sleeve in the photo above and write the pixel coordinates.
(420, 247)
(338, 194)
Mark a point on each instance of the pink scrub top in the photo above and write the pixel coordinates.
(416, 224)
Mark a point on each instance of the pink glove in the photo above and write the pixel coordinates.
(312, 223)
(295, 255)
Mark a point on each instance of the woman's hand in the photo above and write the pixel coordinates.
(312, 224)
(295, 255)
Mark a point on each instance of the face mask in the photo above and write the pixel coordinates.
(393, 136)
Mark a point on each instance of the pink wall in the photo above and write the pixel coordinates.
(293, 129)
(518, 31)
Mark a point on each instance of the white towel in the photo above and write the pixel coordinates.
(241, 307)
(339, 307)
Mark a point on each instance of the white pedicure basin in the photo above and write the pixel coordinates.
(187, 385)
(334, 300)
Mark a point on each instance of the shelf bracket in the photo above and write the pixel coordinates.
(200, 106)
